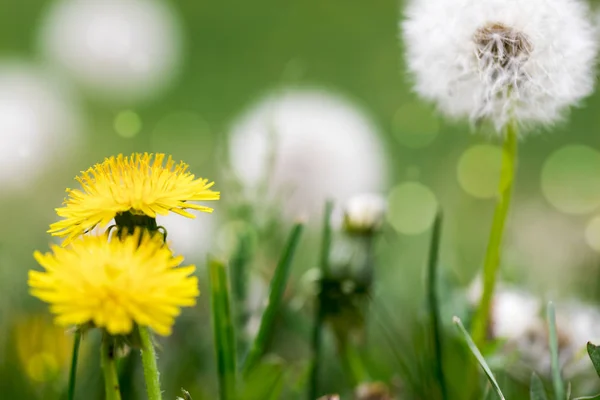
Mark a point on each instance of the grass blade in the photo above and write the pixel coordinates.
(536, 388)
(479, 357)
(594, 353)
(318, 322)
(278, 284)
(265, 381)
(433, 303)
(239, 265)
(224, 335)
(559, 387)
(73, 371)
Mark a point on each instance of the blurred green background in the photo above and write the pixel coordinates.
(231, 54)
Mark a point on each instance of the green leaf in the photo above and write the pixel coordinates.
(596, 397)
(278, 284)
(224, 335)
(479, 357)
(559, 387)
(264, 382)
(536, 388)
(594, 353)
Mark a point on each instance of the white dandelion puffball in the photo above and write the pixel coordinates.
(120, 49)
(500, 60)
(39, 123)
(312, 146)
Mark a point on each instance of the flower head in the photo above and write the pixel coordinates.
(139, 185)
(114, 284)
(500, 60)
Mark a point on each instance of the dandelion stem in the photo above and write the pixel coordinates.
(352, 363)
(73, 372)
(109, 367)
(149, 364)
(492, 256)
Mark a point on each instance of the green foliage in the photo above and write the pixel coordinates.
(594, 353)
(536, 388)
(278, 285)
(223, 330)
(479, 357)
(559, 387)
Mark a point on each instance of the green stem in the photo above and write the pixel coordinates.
(352, 363)
(319, 314)
(73, 372)
(107, 359)
(433, 303)
(492, 256)
(149, 364)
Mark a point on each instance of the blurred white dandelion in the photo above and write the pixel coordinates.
(500, 60)
(549, 245)
(192, 238)
(39, 123)
(323, 146)
(124, 50)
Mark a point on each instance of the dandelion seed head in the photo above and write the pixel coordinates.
(497, 60)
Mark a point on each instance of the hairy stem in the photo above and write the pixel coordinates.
(149, 365)
(109, 367)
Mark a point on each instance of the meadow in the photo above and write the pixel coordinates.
(299, 200)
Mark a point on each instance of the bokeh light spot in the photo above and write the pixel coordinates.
(128, 123)
(592, 233)
(411, 208)
(478, 170)
(415, 126)
(42, 367)
(571, 179)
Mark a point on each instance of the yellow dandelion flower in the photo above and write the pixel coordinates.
(140, 184)
(114, 284)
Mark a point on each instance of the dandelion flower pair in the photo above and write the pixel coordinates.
(133, 278)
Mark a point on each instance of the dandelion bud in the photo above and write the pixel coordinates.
(364, 214)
